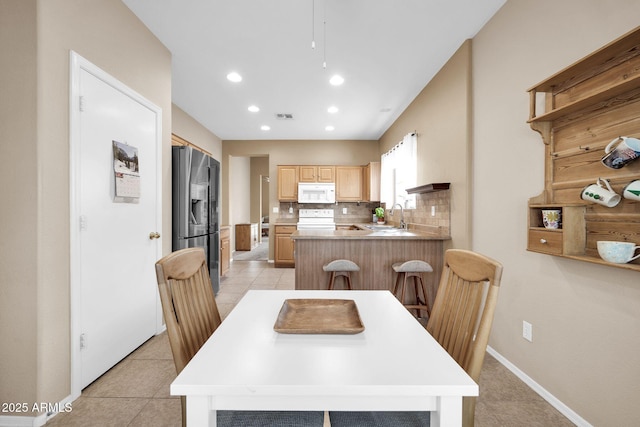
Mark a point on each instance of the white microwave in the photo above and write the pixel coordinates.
(316, 192)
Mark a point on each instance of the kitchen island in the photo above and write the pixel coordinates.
(375, 251)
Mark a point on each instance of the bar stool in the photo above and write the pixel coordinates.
(340, 267)
(413, 268)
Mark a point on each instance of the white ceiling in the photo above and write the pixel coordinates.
(386, 50)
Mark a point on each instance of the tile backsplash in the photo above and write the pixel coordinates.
(438, 203)
(356, 212)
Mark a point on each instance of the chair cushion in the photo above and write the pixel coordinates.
(380, 419)
(341, 265)
(413, 266)
(269, 418)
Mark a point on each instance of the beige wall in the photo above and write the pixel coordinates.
(586, 317)
(36, 311)
(188, 128)
(240, 187)
(440, 115)
(259, 167)
(18, 202)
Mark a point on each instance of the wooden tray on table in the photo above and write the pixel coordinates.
(319, 316)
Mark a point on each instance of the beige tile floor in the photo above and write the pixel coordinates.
(135, 392)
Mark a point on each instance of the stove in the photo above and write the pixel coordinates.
(316, 219)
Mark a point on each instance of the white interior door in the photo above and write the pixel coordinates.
(115, 250)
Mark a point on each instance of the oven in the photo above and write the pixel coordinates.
(316, 219)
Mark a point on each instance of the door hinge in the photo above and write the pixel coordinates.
(81, 103)
(83, 341)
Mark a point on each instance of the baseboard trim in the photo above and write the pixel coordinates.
(37, 421)
(544, 393)
(12, 421)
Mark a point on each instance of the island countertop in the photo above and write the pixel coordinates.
(364, 233)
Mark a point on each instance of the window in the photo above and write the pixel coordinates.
(399, 172)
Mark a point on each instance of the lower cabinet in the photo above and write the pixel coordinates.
(283, 249)
(225, 249)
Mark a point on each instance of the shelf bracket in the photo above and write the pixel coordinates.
(544, 129)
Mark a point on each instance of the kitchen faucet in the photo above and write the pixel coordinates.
(403, 225)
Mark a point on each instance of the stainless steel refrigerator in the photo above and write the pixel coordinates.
(195, 180)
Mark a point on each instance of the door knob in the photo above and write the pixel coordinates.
(154, 235)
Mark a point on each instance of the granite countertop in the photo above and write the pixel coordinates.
(364, 232)
(285, 221)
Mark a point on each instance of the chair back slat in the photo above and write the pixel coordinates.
(188, 302)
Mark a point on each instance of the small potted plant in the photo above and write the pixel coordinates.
(380, 215)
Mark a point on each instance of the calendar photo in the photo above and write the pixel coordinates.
(127, 173)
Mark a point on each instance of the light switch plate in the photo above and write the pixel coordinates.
(527, 331)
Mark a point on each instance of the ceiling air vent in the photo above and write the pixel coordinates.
(284, 116)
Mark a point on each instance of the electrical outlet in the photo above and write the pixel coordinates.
(275, 209)
(344, 211)
(433, 211)
(527, 331)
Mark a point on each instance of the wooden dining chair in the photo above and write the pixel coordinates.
(191, 315)
(460, 321)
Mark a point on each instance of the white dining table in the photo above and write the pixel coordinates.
(394, 364)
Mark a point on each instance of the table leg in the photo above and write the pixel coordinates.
(448, 413)
(199, 413)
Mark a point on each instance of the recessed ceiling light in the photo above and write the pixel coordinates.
(265, 127)
(336, 80)
(329, 128)
(234, 77)
(253, 109)
(333, 109)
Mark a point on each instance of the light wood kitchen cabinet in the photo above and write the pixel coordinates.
(284, 249)
(288, 177)
(246, 236)
(586, 105)
(349, 183)
(371, 182)
(310, 173)
(225, 249)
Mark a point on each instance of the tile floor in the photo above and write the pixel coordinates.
(135, 392)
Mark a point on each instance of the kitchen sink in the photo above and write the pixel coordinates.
(389, 228)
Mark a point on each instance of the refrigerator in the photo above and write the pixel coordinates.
(195, 205)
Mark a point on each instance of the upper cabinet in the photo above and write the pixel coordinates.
(349, 183)
(288, 183)
(317, 173)
(353, 183)
(586, 106)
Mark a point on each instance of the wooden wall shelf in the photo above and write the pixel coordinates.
(429, 188)
(587, 105)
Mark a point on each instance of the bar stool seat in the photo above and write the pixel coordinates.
(340, 267)
(413, 268)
